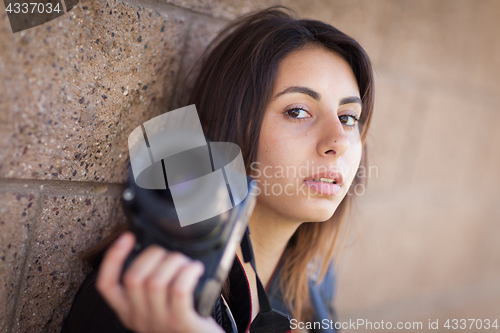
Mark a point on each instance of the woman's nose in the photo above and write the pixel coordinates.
(333, 139)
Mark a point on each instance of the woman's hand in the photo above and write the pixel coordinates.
(157, 290)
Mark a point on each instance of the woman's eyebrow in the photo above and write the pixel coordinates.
(297, 89)
(349, 100)
(316, 95)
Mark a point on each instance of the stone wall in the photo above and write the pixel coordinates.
(423, 242)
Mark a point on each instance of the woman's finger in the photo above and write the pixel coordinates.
(136, 275)
(108, 278)
(181, 290)
(159, 281)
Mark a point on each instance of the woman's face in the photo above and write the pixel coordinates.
(309, 136)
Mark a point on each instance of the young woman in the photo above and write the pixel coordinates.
(297, 97)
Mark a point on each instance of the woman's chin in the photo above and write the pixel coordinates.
(314, 214)
(300, 209)
(320, 217)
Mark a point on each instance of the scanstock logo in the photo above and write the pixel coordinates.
(28, 14)
(205, 179)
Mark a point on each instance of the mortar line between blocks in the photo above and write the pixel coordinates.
(63, 187)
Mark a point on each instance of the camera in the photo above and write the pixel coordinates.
(191, 196)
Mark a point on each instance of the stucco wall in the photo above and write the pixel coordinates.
(423, 242)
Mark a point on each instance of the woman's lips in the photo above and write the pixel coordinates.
(323, 187)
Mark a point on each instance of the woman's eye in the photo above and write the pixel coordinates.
(297, 113)
(348, 120)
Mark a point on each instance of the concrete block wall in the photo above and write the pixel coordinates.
(423, 242)
(71, 91)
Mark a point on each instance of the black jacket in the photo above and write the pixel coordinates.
(91, 314)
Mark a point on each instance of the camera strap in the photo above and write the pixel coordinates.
(268, 320)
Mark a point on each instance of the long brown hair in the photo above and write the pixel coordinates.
(231, 87)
